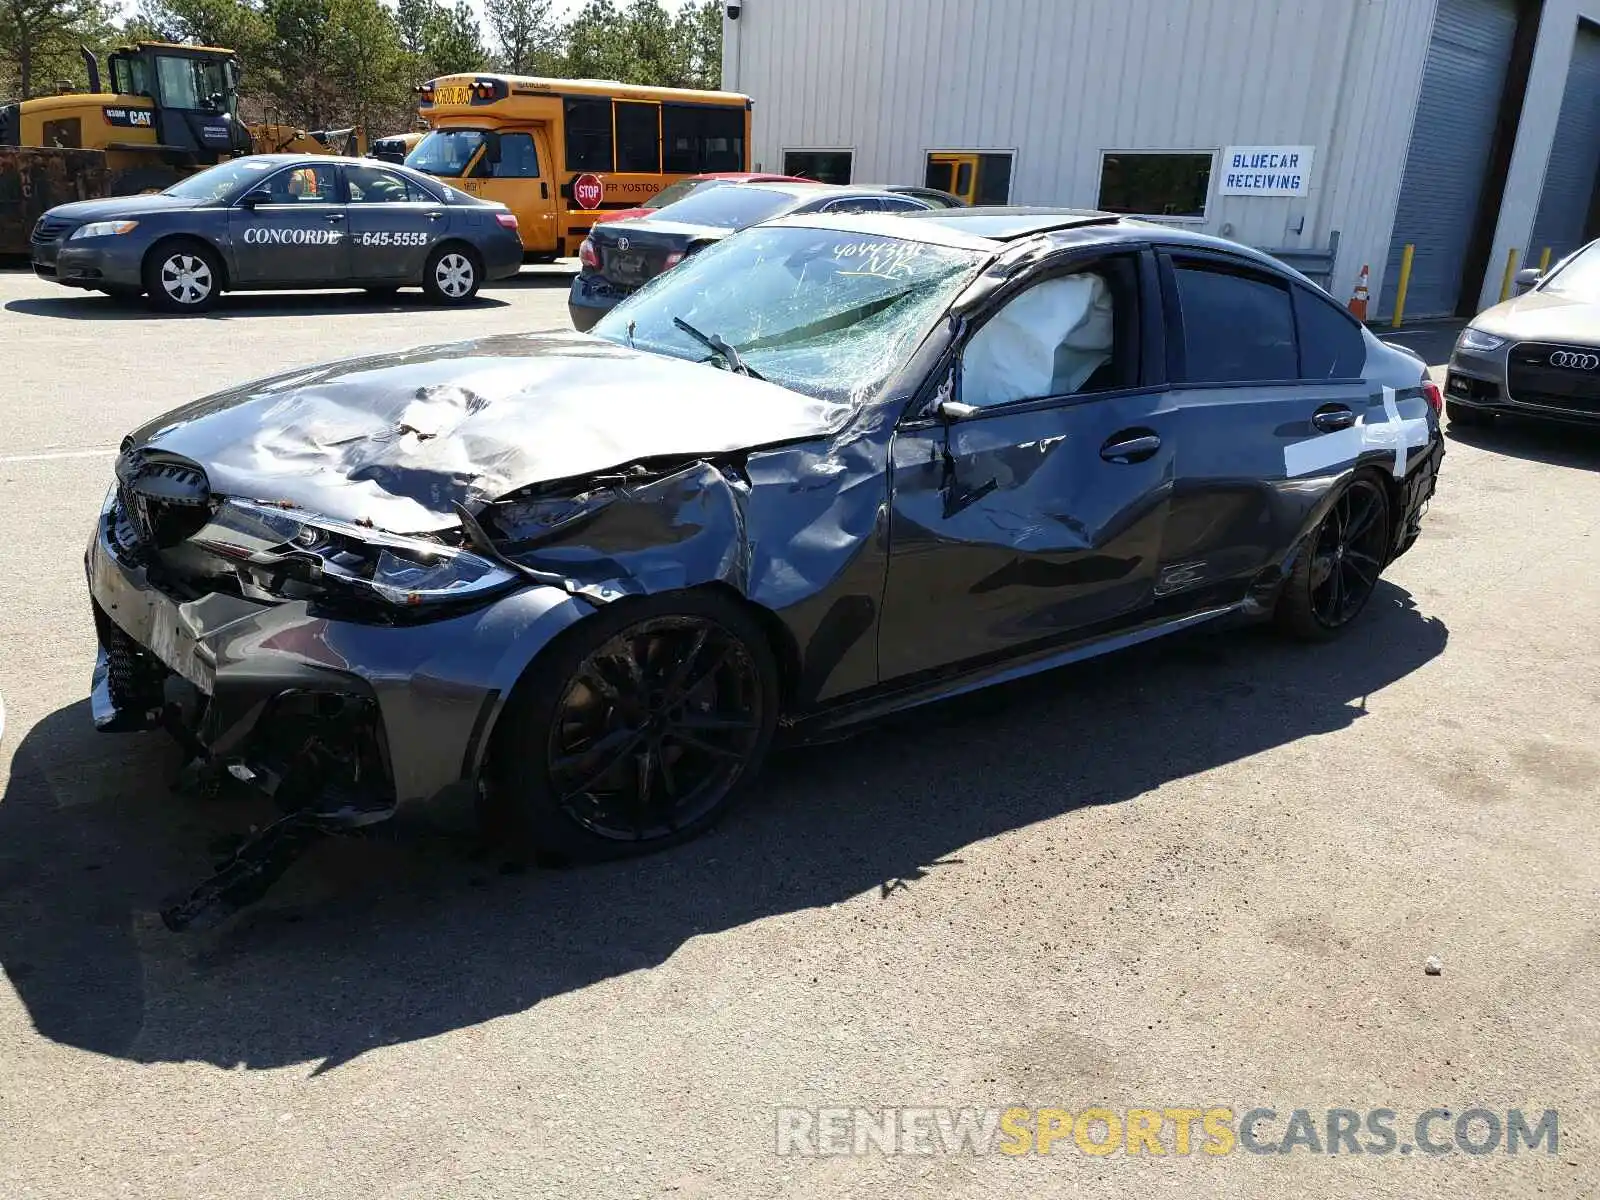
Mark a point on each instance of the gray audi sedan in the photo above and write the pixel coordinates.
(1537, 354)
(274, 221)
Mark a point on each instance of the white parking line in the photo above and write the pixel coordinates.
(48, 455)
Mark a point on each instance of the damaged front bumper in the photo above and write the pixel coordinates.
(340, 721)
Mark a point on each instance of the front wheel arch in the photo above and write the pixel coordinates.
(520, 811)
(166, 243)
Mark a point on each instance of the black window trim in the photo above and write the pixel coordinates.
(1224, 264)
(1151, 325)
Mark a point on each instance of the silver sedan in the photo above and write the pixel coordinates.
(1537, 354)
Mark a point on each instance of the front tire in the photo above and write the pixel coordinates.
(183, 277)
(1337, 572)
(453, 275)
(634, 731)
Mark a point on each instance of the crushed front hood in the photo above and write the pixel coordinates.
(396, 439)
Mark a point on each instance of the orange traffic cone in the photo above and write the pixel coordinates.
(1358, 302)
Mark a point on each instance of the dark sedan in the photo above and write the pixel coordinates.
(826, 469)
(620, 257)
(281, 221)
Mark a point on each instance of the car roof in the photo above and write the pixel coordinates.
(995, 228)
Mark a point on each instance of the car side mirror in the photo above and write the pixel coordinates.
(251, 199)
(953, 410)
(1527, 278)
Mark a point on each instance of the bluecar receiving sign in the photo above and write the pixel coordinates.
(1266, 170)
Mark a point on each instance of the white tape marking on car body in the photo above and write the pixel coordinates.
(1343, 447)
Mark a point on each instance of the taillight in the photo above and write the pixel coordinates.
(672, 260)
(588, 255)
(1431, 393)
(509, 220)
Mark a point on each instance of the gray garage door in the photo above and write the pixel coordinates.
(1569, 180)
(1461, 86)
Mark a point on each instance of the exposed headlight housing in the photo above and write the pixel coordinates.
(283, 554)
(1479, 341)
(103, 229)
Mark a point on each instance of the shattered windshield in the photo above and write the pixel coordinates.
(825, 312)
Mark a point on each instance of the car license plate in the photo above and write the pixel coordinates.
(455, 93)
(626, 268)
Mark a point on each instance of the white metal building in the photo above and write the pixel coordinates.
(1467, 128)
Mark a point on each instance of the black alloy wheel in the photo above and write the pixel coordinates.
(1337, 574)
(655, 728)
(1349, 553)
(636, 733)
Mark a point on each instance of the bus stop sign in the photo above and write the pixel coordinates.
(588, 191)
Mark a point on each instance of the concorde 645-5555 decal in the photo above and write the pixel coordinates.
(281, 221)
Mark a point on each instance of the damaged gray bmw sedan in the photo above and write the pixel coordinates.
(826, 469)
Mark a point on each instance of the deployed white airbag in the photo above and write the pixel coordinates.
(1046, 342)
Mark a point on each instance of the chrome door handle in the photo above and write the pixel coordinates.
(436, 216)
(333, 217)
(1333, 419)
(1130, 446)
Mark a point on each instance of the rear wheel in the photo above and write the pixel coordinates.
(182, 277)
(452, 275)
(635, 731)
(1338, 572)
(1460, 414)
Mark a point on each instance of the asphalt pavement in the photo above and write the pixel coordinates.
(1204, 874)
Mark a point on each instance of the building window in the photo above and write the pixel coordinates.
(638, 137)
(697, 138)
(975, 176)
(1155, 184)
(588, 135)
(825, 166)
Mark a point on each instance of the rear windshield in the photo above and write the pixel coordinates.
(728, 207)
(674, 192)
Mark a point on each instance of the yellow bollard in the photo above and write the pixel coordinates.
(1544, 261)
(1405, 284)
(1511, 270)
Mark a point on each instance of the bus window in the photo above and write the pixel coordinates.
(697, 138)
(639, 137)
(589, 135)
(445, 152)
(517, 159)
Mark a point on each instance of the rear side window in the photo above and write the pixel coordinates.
(588, 134)
(1237, 328)
(1331, 345)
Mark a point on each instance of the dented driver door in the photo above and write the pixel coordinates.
(1022, 527)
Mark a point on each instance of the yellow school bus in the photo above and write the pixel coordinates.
(557, 151)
